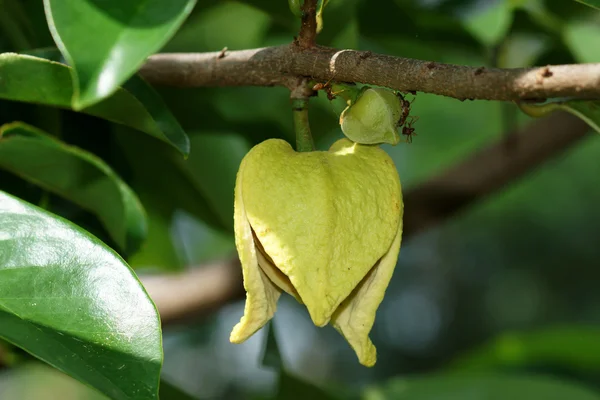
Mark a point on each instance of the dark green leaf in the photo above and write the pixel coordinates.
(171, 392)
(72, 302)
(576, 347)
(15, 25)
(592, 3)
(293, 388)
(164, 184)
(588, 111)
(230, 24)
(36, 80)
(213, 166)
(480, 387)
(271, 355)
(158, 250)
(106, 41)
(78, 176)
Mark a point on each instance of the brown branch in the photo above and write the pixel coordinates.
(200, 291)
(489, 170)
(308, 29)
(281, 65)
(196, 292)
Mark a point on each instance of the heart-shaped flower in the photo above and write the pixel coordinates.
(323, 226)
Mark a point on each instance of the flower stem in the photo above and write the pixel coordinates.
(304, 140)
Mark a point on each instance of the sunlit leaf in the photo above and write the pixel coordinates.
(106, 41)
(71, 301)
(76, 175)
(37, 80)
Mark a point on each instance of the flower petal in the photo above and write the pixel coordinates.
(261, 293)
(356, 315)
(324, 218)
(274, 274)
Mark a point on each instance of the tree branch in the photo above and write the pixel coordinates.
(196, 292)
(281, 65)
(487, 171)
(200, 291)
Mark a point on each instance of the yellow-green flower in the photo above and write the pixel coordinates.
(323, 226)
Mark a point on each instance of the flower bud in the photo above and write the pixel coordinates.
(373, 117)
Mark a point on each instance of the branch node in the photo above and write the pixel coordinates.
(479, 71)
(222, 53)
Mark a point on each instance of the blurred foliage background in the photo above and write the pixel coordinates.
(509, 286)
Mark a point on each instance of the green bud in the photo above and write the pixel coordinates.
(373, 117)
(296, 7)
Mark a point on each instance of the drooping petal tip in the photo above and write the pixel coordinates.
(261, 293)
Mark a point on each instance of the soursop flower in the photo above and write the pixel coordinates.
(323, 226)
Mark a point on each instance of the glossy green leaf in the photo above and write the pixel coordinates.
(106, 41)
(37, 80)
(72, 302)
(588, 111)
(592, 3)
(574, 347)
(76, 175)
(478, 387)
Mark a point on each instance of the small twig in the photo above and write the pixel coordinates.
(308, 29)
(281, 65)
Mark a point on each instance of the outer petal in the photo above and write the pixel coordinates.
(356, 315)
(324, 218)
(261, 293)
